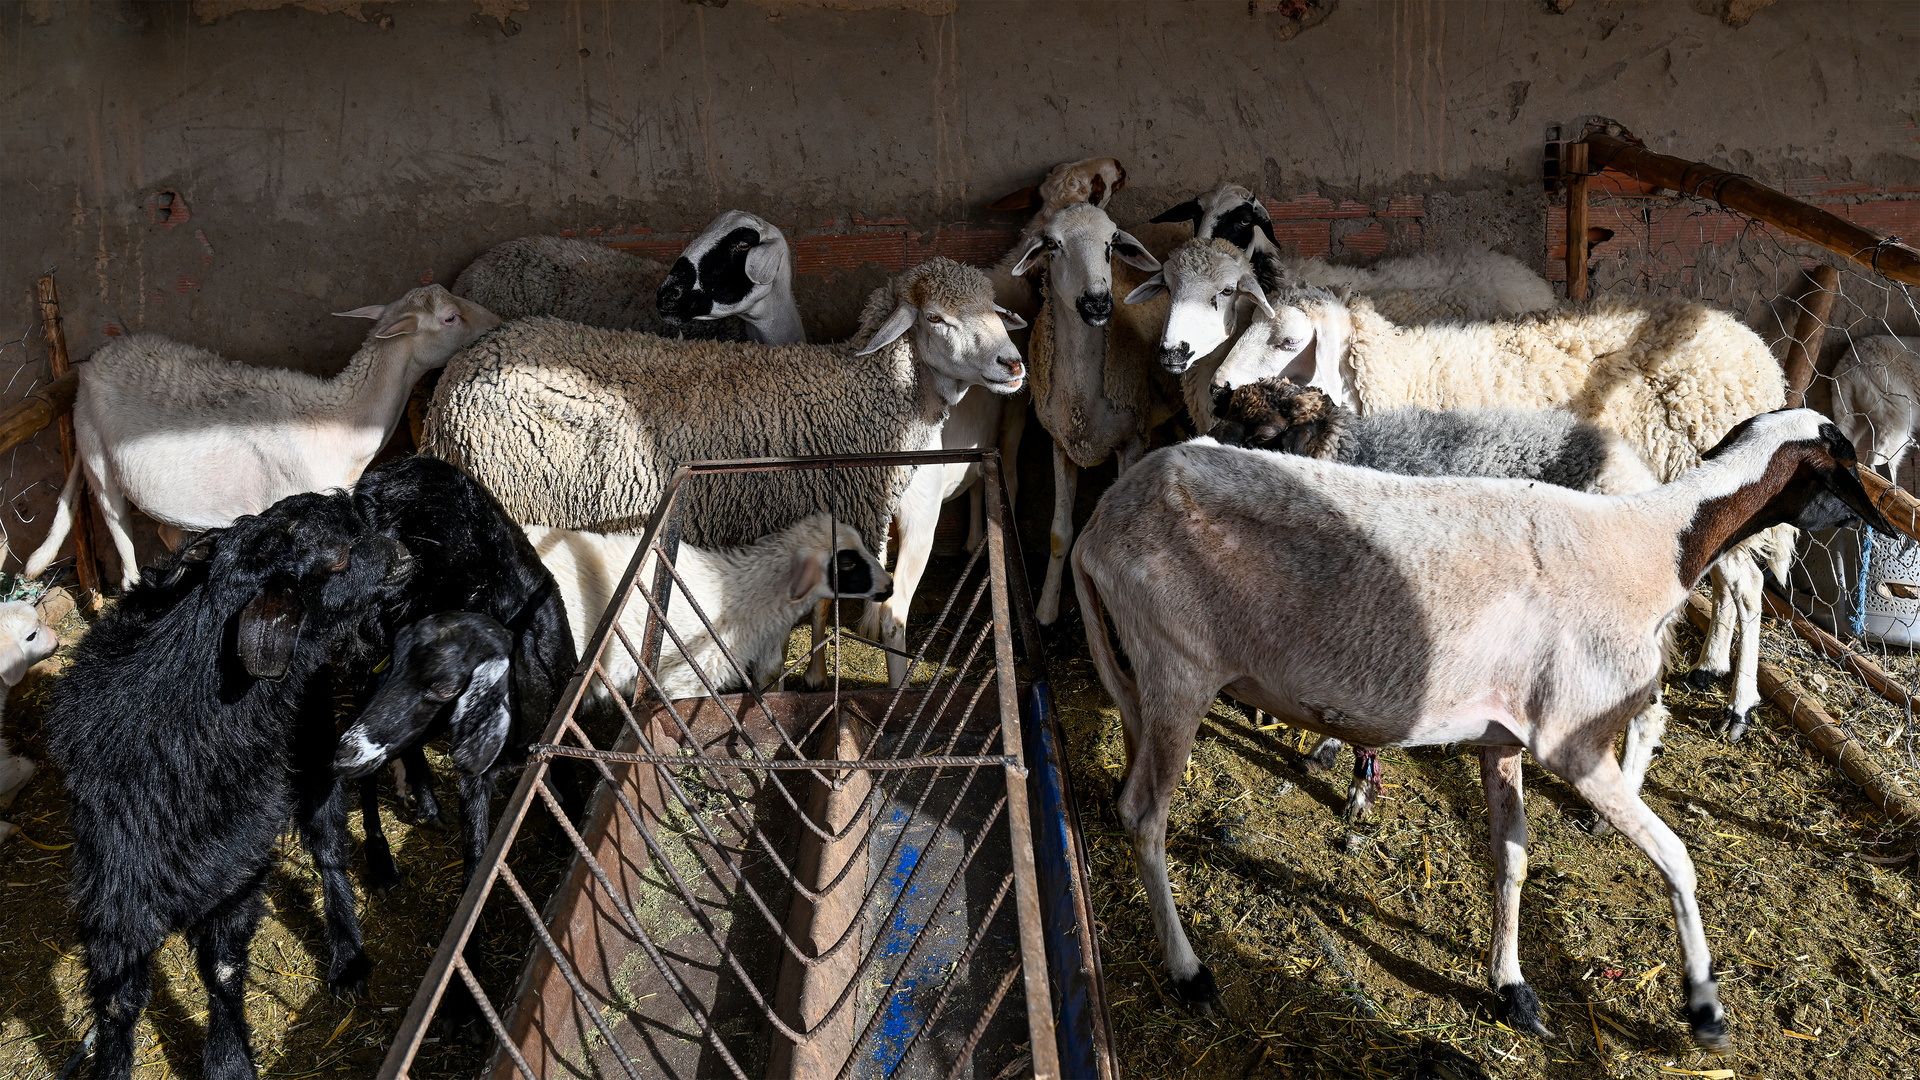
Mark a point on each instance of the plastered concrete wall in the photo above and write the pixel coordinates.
(229, 176)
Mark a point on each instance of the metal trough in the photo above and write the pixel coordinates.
(848, 883)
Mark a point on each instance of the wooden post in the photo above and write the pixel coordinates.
(84, 566)
(36, 411)
(1803, 349)
(1881, 254)
(1574, 168)
(1901, 510)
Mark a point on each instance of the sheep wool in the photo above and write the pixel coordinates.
(579, 281)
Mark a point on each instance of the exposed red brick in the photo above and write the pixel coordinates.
(974, 247)
(1307, 238)
(1405, 206)
(827, 254)
(186, 283)
(1371, 240)
(865, 222)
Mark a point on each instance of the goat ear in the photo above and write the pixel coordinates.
(405, 324)
(1133, 252)
(804, 575)
(269, 625)
(896, 324)
(764, 261)
(1147, 290)
(371, 311)
(1035, 245)
(1186, 211)
(1024, 199)
(1249, 287)
(483, 718)
(1014, 322)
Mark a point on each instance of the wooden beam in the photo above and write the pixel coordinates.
(1809, 330)
(1574, 168)
(84, 566)
(1902, 510)
(36, 411)
(1883, 255)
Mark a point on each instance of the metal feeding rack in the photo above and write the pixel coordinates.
(852, 883)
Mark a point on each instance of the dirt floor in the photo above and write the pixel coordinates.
(1359, 959)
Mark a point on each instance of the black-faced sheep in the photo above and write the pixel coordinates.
(195, 721)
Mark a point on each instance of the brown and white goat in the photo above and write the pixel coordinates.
(1412, 611)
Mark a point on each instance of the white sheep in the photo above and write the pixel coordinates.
(25, 640)
(1413, 611)
(739, 265)
(195, 440)
(1669, 376)
(1876, 398)
(751, 596)
(580, 428)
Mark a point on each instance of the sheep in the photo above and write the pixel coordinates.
(468, 555)
(196, 441)
(1876, 398)
(586, 282)
(1458, 284)
(1408, 611)
(1668, 376)
(25, 640)
(578, 428)
(740, 265)
(1546, 445)
(196, 719)
(751, 597)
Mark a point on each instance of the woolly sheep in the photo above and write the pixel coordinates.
(1669, 376)
(1876, 398)
(25, 640)
(196, 441)
(751, 595)
(579, 428)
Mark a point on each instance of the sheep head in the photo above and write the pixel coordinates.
(25, 640)
(1090, 180)
(1304, 339)
(728, 269)
(1213, 287)
(1077, 245)
(431, 322)
(1272, 415)
(957, 330)
(1228, 212)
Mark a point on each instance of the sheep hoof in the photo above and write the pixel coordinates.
(1709, 1027)
(349, 983)
(1600, 826)
(1522, 1008)
(1701, 679)
(1200, 995)
(1734, 725)
(1323, 756)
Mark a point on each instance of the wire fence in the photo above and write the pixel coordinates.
(25, 495)
(1863, 588)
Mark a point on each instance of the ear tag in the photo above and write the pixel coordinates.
(382, 666)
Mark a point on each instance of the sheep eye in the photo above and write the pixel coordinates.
(935, 319)
(741, 245)
(342, 564)
(452, 317)
(1053, 245)
(33, 635)
(446, 689)
(1291, 344)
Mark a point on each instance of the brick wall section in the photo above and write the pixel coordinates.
(1674, 228)
(1309, 225)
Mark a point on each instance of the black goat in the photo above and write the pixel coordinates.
(469, 557)
(449, 674)
(197, 718)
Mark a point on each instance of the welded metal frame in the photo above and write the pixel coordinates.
(1061, 932)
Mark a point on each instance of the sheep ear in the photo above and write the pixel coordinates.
(1249, 287)
(483, 718)
(1264, 221)
(1014, 322)
(269, 625)
(200, 551)
(1024, 199)
(1133, 252)
(896, 324)
(764, 261)
(1147, 290)
(371, 311)
(405, 324)
(803, 577)
(1186, 211)
(1035, 245)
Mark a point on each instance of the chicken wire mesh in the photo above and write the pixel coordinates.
(786, 884)
(1862, 588)
(23, 369)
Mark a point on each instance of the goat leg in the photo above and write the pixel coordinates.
(119, 981)
(220, 946)
(419, 781)
(1507, 835)
(323, 829)
(476, 803)
(382, 875)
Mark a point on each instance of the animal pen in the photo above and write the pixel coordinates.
(844, 883)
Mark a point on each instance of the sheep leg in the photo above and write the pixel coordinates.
(119, 982)
(1747, 592)
(1644, 733)
(114, 511)
(476, 803)
(1066, 476)
(220, 946)
(419, 785)
(1507, 835)
(382, 875)
(57, 529)
(1169, 717)
(1366, 782)
(1605, 787)
(1130, 454)
(919, 516)
(1323, 754)
(1736, 606)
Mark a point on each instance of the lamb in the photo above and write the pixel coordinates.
(751, 596)
(579, 428)
(25, 640)
(1666, 375)
(196, 719)
(1876, 398)
(1408, 611)
(586, 282)
(196, 441)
